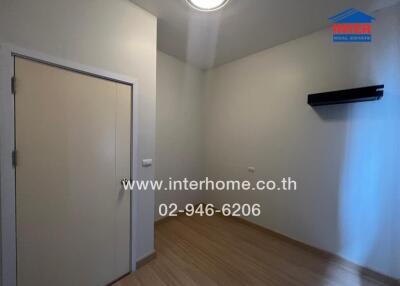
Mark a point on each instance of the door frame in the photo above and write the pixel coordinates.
(8, 247)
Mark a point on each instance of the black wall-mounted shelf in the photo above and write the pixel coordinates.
(369, 93)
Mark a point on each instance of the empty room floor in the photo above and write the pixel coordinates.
(225, 251)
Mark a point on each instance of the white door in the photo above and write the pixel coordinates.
(73, 149)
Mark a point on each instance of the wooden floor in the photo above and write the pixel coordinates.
(224, 251)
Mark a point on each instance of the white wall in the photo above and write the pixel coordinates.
(345, 158)
(112, 35)
(180, 140)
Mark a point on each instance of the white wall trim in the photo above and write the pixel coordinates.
(7, 143)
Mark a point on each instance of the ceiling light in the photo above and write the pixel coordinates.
(207, 5)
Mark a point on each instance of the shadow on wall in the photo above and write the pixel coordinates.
(368, 194)
(369, 184)
(334, 118)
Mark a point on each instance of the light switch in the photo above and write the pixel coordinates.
(147, 163)
(251, 169)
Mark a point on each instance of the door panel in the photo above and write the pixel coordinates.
(73, 143)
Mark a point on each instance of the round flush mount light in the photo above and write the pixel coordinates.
(207, 5)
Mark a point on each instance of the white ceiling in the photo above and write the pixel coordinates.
(243, 27)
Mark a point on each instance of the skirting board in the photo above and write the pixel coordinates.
(143, 261)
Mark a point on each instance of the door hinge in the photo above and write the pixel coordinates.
(14, 158)
(13, 84)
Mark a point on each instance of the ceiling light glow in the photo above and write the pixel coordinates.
(207, 5)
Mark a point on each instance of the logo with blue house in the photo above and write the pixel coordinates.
(352, 26)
